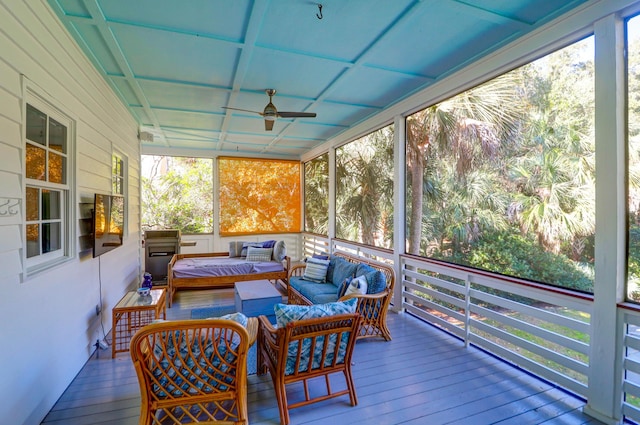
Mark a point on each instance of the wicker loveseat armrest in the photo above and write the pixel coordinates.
(375, 296)
(297, 270)
(267, 344)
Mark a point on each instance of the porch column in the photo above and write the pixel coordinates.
(604, 392)
(399, 202)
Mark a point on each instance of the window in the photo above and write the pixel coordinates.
(117, 174)
(259, 196)
(177, 193)
(316, 195)
(364, 189)
(502, 176)
(47, 197)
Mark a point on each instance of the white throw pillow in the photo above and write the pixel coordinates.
(358, 285)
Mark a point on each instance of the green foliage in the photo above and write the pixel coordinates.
(634, 251)
(316, 195)
(177, 193)
(502, 176)
(517, 255)
(364, 189)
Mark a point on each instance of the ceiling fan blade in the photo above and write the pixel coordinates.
(296, 114)
(243, 110)
(268, 125)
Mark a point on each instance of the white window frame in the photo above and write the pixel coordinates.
(124, 181)
(43, 262)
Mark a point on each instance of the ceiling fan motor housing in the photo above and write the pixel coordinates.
(270, 112)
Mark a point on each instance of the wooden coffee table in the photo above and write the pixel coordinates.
(133, 312)
(256, 298)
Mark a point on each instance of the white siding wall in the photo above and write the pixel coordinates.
(48, 323)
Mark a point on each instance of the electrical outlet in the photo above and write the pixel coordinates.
(98, 309)
(103, 344)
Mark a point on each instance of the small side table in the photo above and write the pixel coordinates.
(257, 297)
(133, 312)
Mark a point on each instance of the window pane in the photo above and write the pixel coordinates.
(502, 176)
(51, 237)
(364, 189)
(57, 167)
(50, 205)
(117, 173)
(33, 246)
(57, 136)
(33, 204)
(316, 195)
(35, 162)
(177, 193)
(36, 126)
(117, 166)
(259, 196)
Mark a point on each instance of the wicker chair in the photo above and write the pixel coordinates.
(372, 307)
(290, 354)
(192, 371)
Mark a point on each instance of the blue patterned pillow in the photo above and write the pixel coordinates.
(316, 270)
(174, 370)
(286, 313)
(236, 317)
(342, 288)
(268, 244)
(364, 269)
(376, 282)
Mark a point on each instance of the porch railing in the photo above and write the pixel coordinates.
(630, 320)
(542, 330)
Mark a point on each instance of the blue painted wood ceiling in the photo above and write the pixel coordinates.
(176, 63)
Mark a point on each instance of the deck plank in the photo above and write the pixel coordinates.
(422, 376)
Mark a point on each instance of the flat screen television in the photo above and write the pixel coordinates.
(108, 223)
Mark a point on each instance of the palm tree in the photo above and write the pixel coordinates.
(316, 187)
(553, 168)
(364, 174)
(462, 134)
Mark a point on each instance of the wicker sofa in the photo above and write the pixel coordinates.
(371, 306)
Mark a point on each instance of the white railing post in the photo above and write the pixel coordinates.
(467, 309)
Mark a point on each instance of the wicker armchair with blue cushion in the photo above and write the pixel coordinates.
(309, 342)
(322, 281)
(192, 371)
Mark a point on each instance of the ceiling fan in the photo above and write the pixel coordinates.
(270, 112)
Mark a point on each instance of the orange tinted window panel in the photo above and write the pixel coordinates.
(35, 162)
(259, 196)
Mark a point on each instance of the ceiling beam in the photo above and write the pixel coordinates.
(114, 48)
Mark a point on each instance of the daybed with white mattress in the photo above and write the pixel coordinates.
(222, 270)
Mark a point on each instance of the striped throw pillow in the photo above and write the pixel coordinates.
(316, 270)
(258, 254)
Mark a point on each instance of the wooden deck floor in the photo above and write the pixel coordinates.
(423, 376)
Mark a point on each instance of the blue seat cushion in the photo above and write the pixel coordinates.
(317, 293)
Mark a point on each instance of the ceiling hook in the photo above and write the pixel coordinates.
(319, 16)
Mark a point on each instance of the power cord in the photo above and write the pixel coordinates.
(104, 333)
